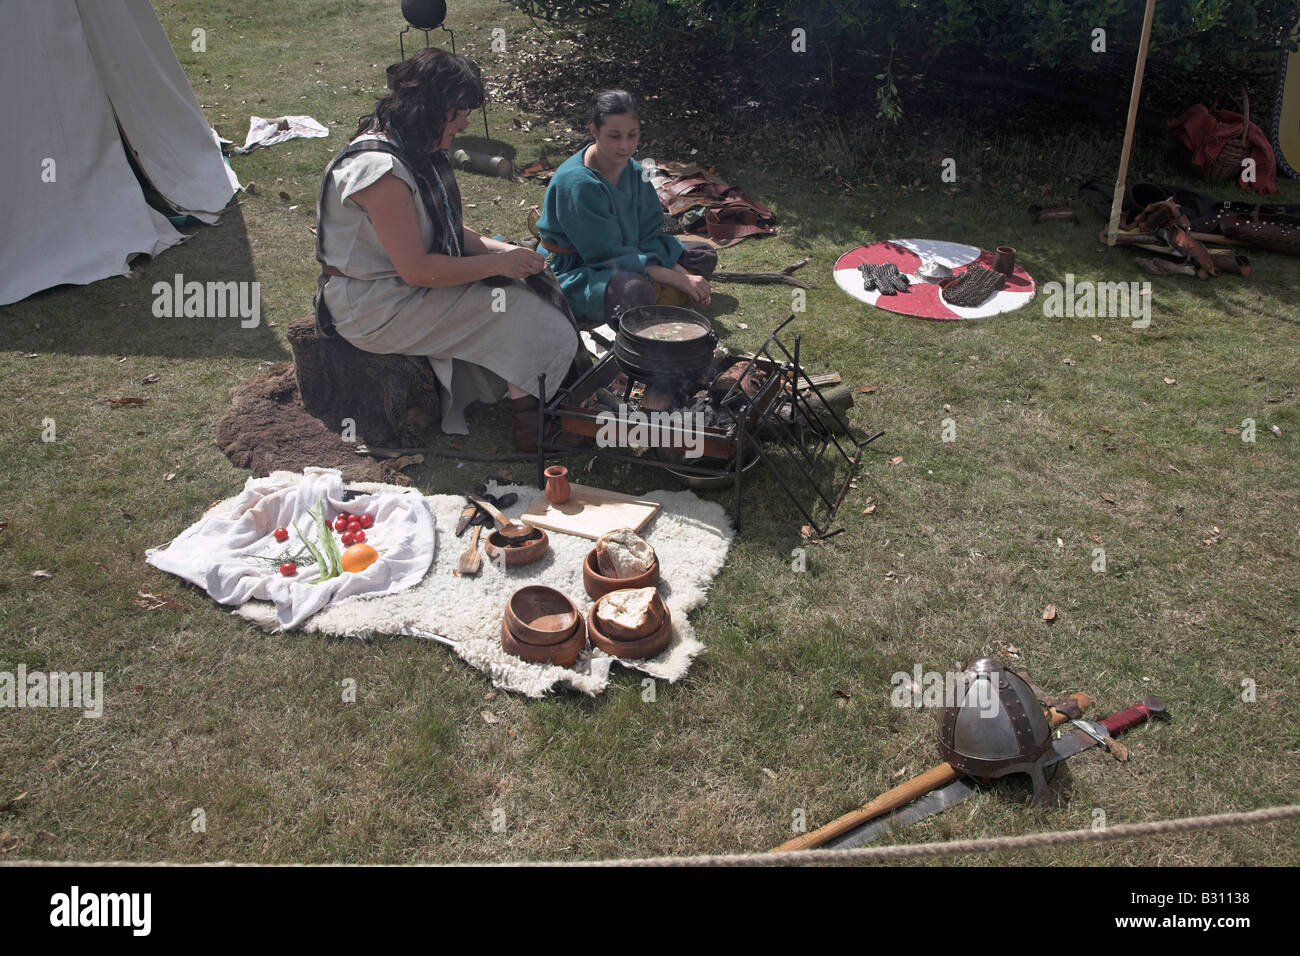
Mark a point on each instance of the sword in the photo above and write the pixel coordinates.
(1090, 734)
(905, 792)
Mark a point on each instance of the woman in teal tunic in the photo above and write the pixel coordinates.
(602, 222)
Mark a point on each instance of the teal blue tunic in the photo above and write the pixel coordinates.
(609, 228)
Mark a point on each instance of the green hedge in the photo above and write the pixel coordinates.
(1187, 35)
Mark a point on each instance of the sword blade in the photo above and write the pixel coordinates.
(948, 796)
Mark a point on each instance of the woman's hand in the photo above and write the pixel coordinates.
(697, 288)
(519, 263)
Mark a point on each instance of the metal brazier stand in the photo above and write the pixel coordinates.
(800, 438)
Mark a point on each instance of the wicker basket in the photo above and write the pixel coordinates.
(1227, 165)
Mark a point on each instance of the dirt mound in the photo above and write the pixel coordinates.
(268, 429)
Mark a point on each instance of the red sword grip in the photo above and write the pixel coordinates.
(1118, 723)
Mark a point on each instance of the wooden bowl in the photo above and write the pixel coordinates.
(617, 632)
(562, 654)
(541, 616)
(525, 553)
(642, 649)
(598, 585)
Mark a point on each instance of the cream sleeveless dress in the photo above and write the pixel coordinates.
(473, 349)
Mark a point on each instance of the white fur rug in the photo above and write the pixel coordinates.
(691, 537)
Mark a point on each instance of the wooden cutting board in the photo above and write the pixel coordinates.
(591, 512)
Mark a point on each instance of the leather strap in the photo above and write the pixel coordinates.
(558, 250)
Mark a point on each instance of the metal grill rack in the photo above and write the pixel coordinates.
(799, 437)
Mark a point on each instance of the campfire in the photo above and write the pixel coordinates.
(710, 417)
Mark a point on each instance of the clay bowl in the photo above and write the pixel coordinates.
(642, 649)
(541, 616)
(517, 552)
(563, 653)
(598, 585)
(616, 632)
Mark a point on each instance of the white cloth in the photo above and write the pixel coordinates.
(223, 552)
(268, 132)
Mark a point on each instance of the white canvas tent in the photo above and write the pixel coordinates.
(71, 73)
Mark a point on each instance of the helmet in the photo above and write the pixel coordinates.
(997, 727)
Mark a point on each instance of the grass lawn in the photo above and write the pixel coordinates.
(789, 709)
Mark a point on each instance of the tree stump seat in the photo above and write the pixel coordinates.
(390, 399)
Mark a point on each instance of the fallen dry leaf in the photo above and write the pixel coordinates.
(1215, 536)
(1109, 498)
(840, 692)
(901, 771)
(947, 408)
(42, 573)
(284, 195)
(1275, 430)
(1049, 613)
(1107, 429)
(1171, 381)
(127, 401)
(9, 804)
(1096, 338)
(169, 476)
(869, 508)
(769, 773)
(138, 688)
(742, 325)
(152, 602)
(490, 718)
(1232, 431)
(489, 695)
(8, 843)
(1069, 361)
(150, 379)
(896, 461)
(866, 389)
(3, 525)
(1095, 537)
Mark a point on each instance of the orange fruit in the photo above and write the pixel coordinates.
(359, 557)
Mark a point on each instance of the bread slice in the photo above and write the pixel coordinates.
(623, 554)
(629, 614)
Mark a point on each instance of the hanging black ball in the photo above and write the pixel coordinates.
(424, 14)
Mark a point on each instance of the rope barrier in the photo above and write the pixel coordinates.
(1122, 831)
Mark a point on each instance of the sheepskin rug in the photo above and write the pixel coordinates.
(691, 537)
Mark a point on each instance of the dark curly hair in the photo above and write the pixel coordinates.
(425, 88)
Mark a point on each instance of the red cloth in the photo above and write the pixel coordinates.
(1205, 133)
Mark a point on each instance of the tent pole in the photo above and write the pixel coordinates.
(1117, 203)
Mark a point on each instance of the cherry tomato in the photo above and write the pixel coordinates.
(282, 535)
(358, 536)
(366, 520)
(348, 539)
(354, 525)
(341, 523)
(288, 569)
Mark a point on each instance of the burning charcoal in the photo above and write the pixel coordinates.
(657, 399)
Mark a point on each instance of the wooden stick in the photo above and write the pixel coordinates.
(1117, 202)
(766, 278)
(901, 795)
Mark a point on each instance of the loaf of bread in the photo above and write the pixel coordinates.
(623, 554)
(628, 614)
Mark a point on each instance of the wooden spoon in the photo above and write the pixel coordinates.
(508, 528)
(471, 560)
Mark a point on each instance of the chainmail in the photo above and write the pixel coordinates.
(973, 287)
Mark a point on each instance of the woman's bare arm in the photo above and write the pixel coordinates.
(391, 208)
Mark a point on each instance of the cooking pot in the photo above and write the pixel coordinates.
(665, 343)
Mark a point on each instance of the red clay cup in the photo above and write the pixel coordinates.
(1005, 261)
(557, 484)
